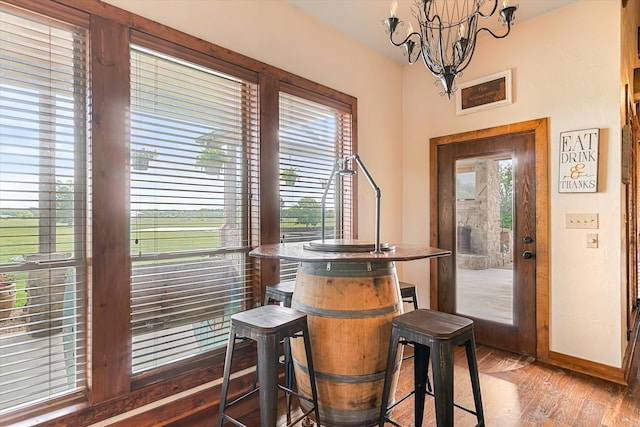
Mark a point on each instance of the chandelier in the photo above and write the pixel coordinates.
(447, 35)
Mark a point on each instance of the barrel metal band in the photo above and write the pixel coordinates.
(346, 314)
(347, 379)
(347, 269)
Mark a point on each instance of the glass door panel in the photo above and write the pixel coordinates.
(484, 217)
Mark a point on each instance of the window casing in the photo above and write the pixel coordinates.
(43, 208)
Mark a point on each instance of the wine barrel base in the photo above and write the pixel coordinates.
(349, 307)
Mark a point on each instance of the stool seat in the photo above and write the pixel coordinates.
(280, 293)
(432, 323)
(267, 320)
(268, 325)
(429, 330)
(408, 294)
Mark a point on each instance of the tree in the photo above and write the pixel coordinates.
(64, 202)
(306, 211)
(505, 182)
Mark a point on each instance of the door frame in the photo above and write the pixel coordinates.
(540, 127)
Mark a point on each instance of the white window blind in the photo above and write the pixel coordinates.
(313, 136)
(43, 169)
(193, 167)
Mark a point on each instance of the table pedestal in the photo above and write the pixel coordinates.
(349, 307)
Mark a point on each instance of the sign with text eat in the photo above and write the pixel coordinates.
(579, 161)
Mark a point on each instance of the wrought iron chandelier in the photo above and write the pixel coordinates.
(446, 39)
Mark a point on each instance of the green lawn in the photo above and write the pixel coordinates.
(19, 237)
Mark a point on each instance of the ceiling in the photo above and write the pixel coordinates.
(362, 19)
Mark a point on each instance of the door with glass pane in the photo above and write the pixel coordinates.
(486, 204)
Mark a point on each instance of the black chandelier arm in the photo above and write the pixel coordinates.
(495, 6)
(415, 33)
(494, 34)
(409, 44)
(430, 67)
(507, 16)
(426, 58)
(464, 64)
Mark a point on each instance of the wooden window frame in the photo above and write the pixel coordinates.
(112, 390)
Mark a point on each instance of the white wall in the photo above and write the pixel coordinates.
(281, 35)
(565, 67)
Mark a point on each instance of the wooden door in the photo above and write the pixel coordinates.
(486, 217)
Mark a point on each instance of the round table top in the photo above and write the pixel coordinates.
(301, 252)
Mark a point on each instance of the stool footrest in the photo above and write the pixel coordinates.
(241, 398)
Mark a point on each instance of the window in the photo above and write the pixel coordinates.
(178, 183)
(313, 136)
(43, 208)
(193, 160)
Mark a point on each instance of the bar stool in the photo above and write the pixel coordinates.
(280, 293)
(268, 325)
(408, 294)
(441, 332)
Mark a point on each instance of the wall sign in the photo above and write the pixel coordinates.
(481, 94)
(579, 161)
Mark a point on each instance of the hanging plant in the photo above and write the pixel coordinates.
(290, 176)
(213, 156)
(140, 159)
(211, 160)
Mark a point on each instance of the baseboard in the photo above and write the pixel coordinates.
(203, 399)
(587, 367)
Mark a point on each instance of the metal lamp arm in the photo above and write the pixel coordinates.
(376, 189)
(326, 191)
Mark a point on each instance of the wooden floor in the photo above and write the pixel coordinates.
(516, 391)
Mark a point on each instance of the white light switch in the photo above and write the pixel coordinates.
(586, 220)
(592, 240)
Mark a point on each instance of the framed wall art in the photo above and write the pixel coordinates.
(579, 161)
(484, 93)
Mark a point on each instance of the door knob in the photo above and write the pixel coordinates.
(527, 255)
(528, 239)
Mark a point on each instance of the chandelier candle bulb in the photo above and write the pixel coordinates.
(394, 8)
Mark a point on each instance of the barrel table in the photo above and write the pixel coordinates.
(350, 296)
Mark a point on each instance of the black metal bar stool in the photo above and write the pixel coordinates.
(268, 325)
(280, 293)
(408, 294)
(441, 332)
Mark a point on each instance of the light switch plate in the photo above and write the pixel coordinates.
(584, 220)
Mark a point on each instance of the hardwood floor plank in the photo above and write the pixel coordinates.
(517, 391)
